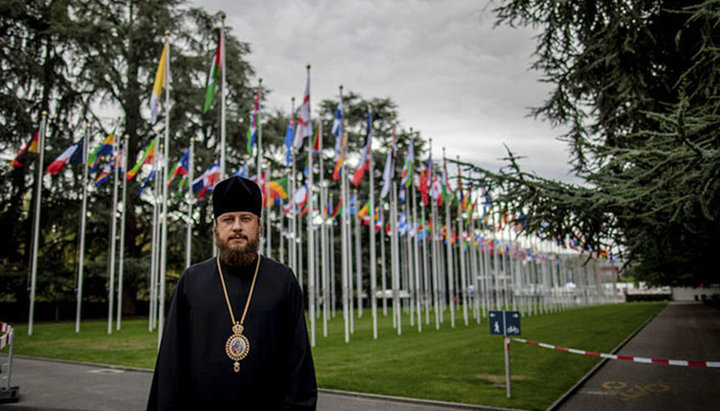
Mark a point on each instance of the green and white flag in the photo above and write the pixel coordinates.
(213, 76)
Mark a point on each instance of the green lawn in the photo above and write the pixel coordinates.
(464, 364)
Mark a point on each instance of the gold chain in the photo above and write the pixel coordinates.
(227, 299)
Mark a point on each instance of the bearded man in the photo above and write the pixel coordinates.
(235, 336)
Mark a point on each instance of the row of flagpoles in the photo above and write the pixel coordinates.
(465, 265)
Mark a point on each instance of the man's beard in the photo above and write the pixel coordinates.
(238, 256)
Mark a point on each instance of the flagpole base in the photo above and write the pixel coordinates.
(9, 394)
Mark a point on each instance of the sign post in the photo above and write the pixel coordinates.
(505, 323)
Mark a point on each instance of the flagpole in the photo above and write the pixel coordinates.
(331, 255)
(426, 272)
(83, 211)
(373, 256)
(36, 220)
(394, 250)
(416, 251)
(449, 250)
(461, 252)
(189, 200)
(222, 97)
(434, 246)
(123, 208)
(311, 237)
(291, 198)
(323, 235)
(154, 277)
(113, 231)
(344, 217)
(163, 179)
(358, 258)
(383, 274)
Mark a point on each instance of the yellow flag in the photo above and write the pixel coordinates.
(157, 88)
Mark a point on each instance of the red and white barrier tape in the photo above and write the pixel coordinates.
(683, 363)
(7, 331)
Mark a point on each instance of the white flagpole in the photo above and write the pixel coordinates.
(311, 237)
(416, 262)
(331, 255)
(162, 176)
(344, 228)
(448, 233)
(113, 232)
(222, 97)
(409, 282)
(36, 220)
(426, 272)
(373, 256)
(323, 237)
(153, 247)
(394, 255)
(291, 200)
(189, 200)
(461, 254)
(123, 209)
(383, 274)
(83, 211)
(358, 258)
(268, 210)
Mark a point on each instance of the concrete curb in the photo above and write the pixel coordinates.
(554, 406)
(406, 400)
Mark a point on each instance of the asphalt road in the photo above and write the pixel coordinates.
(678, 332)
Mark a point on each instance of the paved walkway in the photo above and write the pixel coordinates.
(678, 332)
(47, 385)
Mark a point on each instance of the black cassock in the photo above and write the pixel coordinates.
(193, 370)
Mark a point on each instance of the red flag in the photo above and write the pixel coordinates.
(31, 146)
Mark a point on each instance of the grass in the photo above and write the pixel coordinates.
(461, 364)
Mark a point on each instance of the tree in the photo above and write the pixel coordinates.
(637, 85)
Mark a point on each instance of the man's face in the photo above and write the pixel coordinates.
(237, 235)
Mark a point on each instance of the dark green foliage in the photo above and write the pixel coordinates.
(636, 84)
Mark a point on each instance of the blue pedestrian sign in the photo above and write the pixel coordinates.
(507, 324)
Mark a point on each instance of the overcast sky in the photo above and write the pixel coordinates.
(454, 77)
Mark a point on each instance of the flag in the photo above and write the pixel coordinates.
(300, 197)
(389, 171)
(289, 140)
(147, 158)
(337, 172)
(365, 159)
(363, 213)
(146, 181)
(278, 188)
(353, 201)
(424, 186)
(206, 181)
(72, 154)
(30, 147)
(213, 75)
(104, 149)
(156, 94)
(407, 171)
(436, 190)
(251, 135)
(104, 174)
(181, 167)
(316, 141)
(446, 190)
(337, 127)
(241, 171)
(304, 126)
(338, 208)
